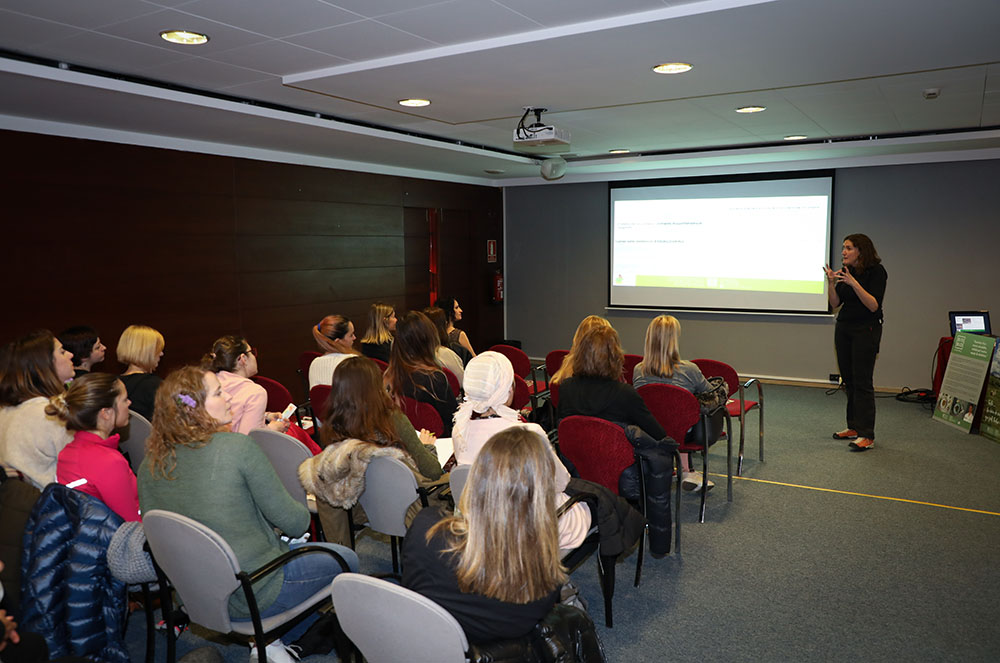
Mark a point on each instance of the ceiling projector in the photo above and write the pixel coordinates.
(539, 134)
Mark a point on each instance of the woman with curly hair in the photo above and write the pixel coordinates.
(92, 407)
(334, 336)
(196, 468)
(33, 369)
(413, 371)
(495, 564)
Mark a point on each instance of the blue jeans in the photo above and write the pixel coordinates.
(304, 576)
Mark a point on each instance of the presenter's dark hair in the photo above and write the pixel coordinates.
(867, 255)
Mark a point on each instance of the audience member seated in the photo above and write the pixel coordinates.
(234, 362)
(33, 369)
(94, 405)
(494, 565)
(489, 391)
(566, 369)
(195, 468)
(84, 343)
(595, 388)
(335, 338)
(446, 357)
(662, 364)
(456, 337)
(141, 349)
(413, 371)
(362, 421)
(377, 340)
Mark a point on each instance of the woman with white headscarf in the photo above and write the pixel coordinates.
(489, 391)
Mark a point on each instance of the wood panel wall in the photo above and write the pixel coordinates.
(199, 246)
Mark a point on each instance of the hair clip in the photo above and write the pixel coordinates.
(184, 399)
(319, 328)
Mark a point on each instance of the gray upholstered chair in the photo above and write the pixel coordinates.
(459, 475)
(133, 439)
(420, 631)
(286, 454)
(205, 572)
(390, 489)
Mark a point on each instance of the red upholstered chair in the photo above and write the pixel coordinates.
(522, 395)
(600, 452)
(677, 411)
(456, 388)
(629, 366)
(423, 415)
(523, 369)
(305, 360)
(318, 397)
(554, 360)
(381, 364)
(278, 397)
(739, 406)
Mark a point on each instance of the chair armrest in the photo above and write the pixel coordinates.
(754, 381)
(283, 559)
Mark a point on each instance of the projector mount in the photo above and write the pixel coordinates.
(527, 132)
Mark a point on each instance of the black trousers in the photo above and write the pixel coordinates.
(857, 346)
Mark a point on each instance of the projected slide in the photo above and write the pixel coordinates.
(756, 245)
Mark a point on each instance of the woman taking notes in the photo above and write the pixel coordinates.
(858, 288)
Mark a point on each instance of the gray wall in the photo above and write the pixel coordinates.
(936, 226)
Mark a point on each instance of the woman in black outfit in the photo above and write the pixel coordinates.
(858, 289)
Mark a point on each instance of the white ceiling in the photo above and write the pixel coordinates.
(839, 71)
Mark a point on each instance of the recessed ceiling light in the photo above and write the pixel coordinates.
(619, 150)
(414, 103)
(672, 68)
(185, 37)
(796, 137)
(751, 109)
(494, 171)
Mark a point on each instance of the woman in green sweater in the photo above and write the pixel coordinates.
(196, 468)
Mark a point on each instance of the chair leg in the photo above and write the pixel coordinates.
(704, 482)
(147, 605)
(641, 553)
(677, 505)
(167, 611)
(743, 429)
(606, 574)
(395, 554)
(729, 458)
(760, 421)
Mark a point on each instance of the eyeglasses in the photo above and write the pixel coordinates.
(251, 351)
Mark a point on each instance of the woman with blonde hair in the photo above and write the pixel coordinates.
(662, 364)
(196, 468)
(334, 336)
(92, 407)
(377, 341)
(495, 565)
(140, 349)
(33, 369)
(588, 323)
(489, 391)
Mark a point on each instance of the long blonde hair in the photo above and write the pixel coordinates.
(179, 418)
(567, 369)
(662, 350)
(506, 534)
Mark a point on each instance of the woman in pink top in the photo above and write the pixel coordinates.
(234, 362)
(94, 405)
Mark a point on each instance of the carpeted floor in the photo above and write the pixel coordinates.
(824, 555)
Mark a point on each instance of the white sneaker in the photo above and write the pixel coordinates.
(692, 481)
(276, 652)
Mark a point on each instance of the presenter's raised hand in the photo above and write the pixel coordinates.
(831, 275)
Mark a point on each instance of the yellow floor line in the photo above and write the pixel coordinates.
(847, 492)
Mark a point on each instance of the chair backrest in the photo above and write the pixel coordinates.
(554, 394)
(133, 439)
(278, 397)
(675, 408)
(456, 479)
(629, 366)
(554, 360)
(199, 563)
(598, 448)
(518, 359)
(389, 623)
(456, 387)
(713, 368)
(423, 415)
(522, 395)
(390, 489)
(381, 364)
(318, 397)
(306, 359)
(286, 454)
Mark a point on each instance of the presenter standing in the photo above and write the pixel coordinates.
(858, 289)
